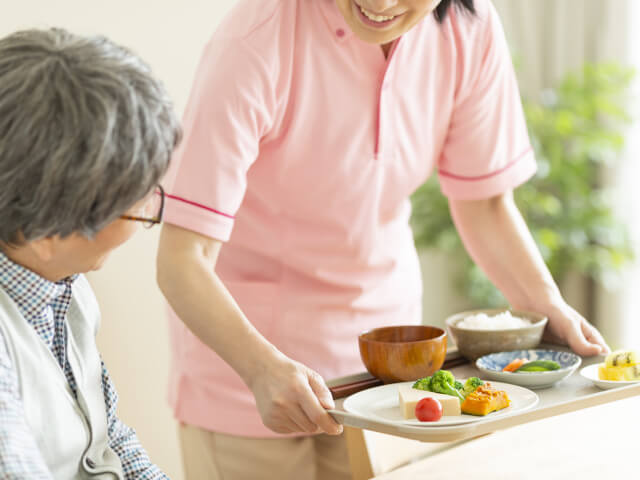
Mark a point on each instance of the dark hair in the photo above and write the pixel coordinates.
(443, 8)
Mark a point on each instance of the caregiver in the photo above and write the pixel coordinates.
(310, 124)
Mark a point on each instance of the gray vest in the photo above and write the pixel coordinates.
(71, 434)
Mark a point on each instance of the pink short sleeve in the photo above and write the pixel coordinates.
(487, 150)
(229, 110)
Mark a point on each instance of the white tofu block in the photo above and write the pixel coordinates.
(409, 397)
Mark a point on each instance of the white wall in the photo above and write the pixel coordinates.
(169, 35)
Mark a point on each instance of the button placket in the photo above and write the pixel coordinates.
(384, 97)
(382, 139)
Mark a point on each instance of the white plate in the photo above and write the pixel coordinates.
(382, 403)
(591, 373)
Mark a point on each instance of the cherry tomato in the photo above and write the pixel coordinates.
(428, 410)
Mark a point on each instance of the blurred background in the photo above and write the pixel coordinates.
(575, 61)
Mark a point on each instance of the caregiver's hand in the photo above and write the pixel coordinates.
(497, 238)
(293, 398)
(569, 327)
(289, 396)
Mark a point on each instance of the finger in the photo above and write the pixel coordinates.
(281, 422)
(280, 415)
(302, 421)
(287, 414)
(281, 426)
(316, 382)
(578, 342)
(594, 336)
(322, 392)
(315, 411)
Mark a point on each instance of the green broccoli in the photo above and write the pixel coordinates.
(458, 385)
(470, 385)
(423, 384)
(443, 381)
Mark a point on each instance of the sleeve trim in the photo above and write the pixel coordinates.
(199, 205)
(463, 178)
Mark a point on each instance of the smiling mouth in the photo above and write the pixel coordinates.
(375, 18)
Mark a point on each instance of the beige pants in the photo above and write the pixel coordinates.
(216, 456)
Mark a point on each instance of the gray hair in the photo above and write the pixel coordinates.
(85, 133)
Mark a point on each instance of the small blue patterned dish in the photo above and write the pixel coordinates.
(491, 366)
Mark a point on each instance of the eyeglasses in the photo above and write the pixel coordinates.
(152, 210)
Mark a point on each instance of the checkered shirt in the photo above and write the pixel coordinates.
(44, 305)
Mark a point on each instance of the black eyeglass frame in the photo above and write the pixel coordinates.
(149, 222)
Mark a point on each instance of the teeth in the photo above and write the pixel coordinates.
(375, 18)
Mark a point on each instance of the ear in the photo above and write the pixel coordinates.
(44, 248)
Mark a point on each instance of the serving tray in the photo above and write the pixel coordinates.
(571, 394)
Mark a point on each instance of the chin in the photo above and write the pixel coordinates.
(376, 39)
(385, 32)
(98, 264)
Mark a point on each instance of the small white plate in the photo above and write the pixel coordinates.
(591, 373)
(382, 403)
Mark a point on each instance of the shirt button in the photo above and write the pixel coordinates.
(90, 463)
(340, 33)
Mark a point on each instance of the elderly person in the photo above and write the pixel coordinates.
(85, 135)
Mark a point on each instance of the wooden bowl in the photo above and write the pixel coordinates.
(403, 353)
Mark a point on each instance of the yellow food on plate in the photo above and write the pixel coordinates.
(617, 374)
(621, 365)
(622, 358)
(485, 399)
(409, 398)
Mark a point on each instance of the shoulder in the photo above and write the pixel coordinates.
(250, 20)
(476, 45)
(249, 52)
(472, 31)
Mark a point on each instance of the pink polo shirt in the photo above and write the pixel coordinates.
(302, 146)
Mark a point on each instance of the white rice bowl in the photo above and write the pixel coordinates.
(501, 321)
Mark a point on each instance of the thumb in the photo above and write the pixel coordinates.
(579, 344)
(321, 391)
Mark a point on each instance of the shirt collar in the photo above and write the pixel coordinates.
(335, 21)
(28, 290)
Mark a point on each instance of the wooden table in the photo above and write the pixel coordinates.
(590, 444)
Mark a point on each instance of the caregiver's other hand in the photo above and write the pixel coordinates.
(569, 327)
(293, 398)
(497, 238)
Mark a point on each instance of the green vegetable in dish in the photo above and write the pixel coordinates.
(423, 384)
(539, 366)
(471, 385)
(443, 381)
